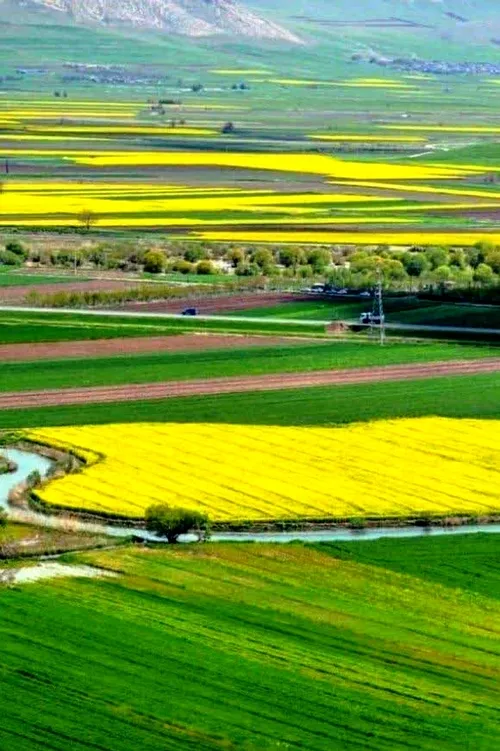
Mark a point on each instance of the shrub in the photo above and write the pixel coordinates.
(9, 259)
(206, 268)
(154, 262)
(17, 248)
(170, 522)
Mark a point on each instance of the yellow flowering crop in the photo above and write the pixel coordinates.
(317, 164)
(416, 237)
(246, 472)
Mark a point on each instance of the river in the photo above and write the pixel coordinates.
(28, 462)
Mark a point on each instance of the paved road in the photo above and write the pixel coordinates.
(254, 319)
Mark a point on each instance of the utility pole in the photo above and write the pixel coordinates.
(378, 309)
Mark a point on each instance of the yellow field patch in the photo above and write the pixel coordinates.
(396, 239)
(245, 472)
(466, 193)
(295, 162)
(116, 204)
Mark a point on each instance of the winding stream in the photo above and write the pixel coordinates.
(28, 462)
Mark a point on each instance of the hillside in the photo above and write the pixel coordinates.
(194, 18)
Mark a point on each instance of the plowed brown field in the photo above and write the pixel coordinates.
(221, 304)
(61, 397)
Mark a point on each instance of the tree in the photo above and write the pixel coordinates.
(195, 253)
(263, 258)
(484, 274)
(227, 128)
(291, 256)
(415, 264)
(205, 268)
(493, 260)
(183, 267)
(87, 218)
(236, 256)
(14, 246)
(170, 522)
(154, 262)
(437, 257)
(319, 259)
(9, 259)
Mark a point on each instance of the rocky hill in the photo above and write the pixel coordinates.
(194, 18)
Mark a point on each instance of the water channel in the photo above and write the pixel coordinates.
(28, 462)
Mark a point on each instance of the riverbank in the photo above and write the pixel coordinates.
(35, 460)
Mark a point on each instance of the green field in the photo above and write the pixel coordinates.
(19, 328)
(398, 310)
(9, 279)
(474, 397)
(239, 361)
(256, 648)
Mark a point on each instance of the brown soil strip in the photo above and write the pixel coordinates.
(140, 345)
(12, 295)
(222, 304)
(150, 391)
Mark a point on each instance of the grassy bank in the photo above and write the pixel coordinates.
(176, 654)
(475, 397)
(225, 363)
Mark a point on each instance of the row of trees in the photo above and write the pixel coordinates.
(411, 268)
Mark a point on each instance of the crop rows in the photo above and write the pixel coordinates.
(235, 473)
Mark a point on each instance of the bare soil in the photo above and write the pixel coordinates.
(27, 399)
(222, 304)
(140, 345)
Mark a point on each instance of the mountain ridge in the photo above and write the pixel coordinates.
(193, 18)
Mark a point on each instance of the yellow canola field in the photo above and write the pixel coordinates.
(412, 188)
(397, 239)
(116, 205)
(318, 164)
(140, 130)
(429, 465)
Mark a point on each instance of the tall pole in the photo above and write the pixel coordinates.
(381, 309)
(378, 308)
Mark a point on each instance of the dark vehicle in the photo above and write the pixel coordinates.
(190, 312)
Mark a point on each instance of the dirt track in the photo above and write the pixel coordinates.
(62, 397)
(140, 345)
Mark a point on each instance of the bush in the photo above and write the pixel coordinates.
(17, 248)
(206, 268)
(9, 259)
(154, 262)
(170, 522)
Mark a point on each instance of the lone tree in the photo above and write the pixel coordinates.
(170, 522)
(87, 218)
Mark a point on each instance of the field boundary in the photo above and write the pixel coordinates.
(272, 382)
